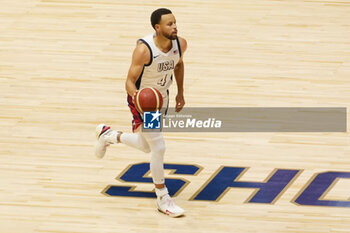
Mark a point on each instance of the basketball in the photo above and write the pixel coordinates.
(148, 100)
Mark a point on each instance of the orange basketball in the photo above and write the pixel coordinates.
(148, 100)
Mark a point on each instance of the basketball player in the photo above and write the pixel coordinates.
(154, 61)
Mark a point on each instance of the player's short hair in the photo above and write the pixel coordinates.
(157, 15)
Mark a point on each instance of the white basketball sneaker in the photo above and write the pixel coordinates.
(105, 136)
(166, 204)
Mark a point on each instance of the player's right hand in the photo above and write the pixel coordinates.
(133, 97)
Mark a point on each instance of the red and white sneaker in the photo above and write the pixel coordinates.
(166, 204)
(105, 136)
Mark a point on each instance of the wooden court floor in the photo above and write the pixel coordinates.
(63, 65)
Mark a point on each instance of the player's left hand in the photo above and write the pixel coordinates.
(180, 102)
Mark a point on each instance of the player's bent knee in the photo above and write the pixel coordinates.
(159, 149)
(146, 150)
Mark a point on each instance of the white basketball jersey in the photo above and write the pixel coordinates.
(159, 72)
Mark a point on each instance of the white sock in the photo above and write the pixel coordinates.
(111, 136)
(161, 192)
(135, 140)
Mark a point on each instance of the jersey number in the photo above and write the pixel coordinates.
(162, 82)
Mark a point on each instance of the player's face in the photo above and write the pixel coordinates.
(168, 26)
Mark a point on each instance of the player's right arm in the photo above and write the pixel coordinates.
(140, 57)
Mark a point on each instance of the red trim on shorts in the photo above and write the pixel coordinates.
(137, 118)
